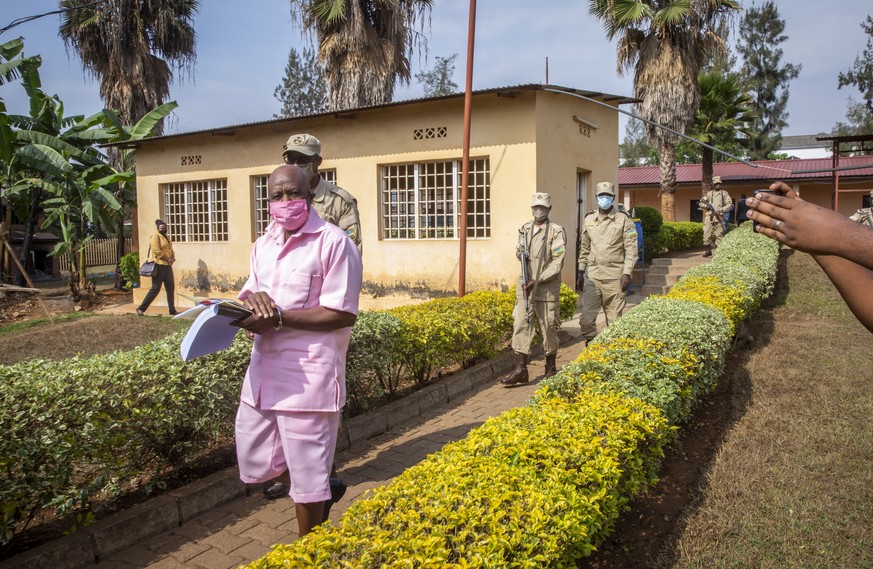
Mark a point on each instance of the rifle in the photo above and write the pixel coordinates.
(717, 215)
(523, 256)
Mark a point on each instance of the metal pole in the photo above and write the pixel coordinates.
(465, 160)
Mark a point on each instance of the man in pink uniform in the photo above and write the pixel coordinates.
(303, 291)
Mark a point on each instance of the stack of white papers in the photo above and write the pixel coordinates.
(213, 329)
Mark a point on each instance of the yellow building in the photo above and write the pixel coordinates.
(402, 161)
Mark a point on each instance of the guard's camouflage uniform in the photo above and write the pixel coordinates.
(546, 246)
(712, 229)
(608, 250)
(337, 206)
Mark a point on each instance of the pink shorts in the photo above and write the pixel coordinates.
(270, 442)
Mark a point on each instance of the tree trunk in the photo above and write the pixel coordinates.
(706, 167)
(117, 161)
(29, 230)
(667, 153)
(119, 252)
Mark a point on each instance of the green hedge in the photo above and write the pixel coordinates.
(86, 428)
(533, 487)
(674, 236)
(541, 486)
(650, 219)
(129, 268)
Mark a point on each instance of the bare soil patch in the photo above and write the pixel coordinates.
(93, 333)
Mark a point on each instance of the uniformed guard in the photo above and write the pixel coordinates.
(864, 215)
(333, 204)
(716, 204)
(540, 248)
(607, 256)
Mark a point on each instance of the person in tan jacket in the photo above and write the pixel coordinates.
(537, 301)
(607, 256)
(162, 251)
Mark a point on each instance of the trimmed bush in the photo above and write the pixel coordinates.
(675, 236)
(129, 267)
(371, 371)
(708, 290)
(701, 329)
(642, 368)
(650, 218)
(534, 487)
(745, 247)
(78, 429)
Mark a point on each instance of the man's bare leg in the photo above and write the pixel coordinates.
(308, 516)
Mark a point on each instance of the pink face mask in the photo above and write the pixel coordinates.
(290, 215)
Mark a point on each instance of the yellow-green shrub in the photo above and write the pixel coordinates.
(534, 487)
(638, 367)
(709, 290)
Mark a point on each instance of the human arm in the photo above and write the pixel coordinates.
(349, 219)
(727, 203)
(266, 315)
(631, 251)
(582, 260)
(843, 249)
(810, 228)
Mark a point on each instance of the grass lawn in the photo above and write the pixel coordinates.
(792, 482)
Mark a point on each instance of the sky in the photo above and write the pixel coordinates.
(242, 50)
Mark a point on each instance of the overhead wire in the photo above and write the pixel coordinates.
(705, 145)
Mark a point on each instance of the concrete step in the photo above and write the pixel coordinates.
(650, 290)
(679, 263)
(664, 272)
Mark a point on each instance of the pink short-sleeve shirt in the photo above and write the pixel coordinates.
(302, 370)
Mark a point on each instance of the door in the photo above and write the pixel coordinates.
(581, 192)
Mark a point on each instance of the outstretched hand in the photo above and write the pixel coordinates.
(785, 217)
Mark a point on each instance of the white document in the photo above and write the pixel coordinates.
(214, 328)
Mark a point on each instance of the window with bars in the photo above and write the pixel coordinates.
(260, 199)
(196, 211)
(422, 200)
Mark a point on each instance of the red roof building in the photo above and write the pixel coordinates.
(813, 178)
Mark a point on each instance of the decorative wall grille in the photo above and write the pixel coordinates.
(430, 132)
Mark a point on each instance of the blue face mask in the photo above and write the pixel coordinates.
(605, 202)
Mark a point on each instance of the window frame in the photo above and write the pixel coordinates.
(430, 210)
(190, 220)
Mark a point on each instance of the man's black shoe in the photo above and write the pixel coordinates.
(337, 491)
(276, 490)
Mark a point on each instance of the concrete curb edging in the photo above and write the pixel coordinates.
(165, 513)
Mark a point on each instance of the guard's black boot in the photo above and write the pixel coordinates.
(551, 367)
(519, 375)
(708, 252)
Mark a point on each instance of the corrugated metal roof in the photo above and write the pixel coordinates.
(606, 97)
(737, 171)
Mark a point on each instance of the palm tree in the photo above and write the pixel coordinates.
(130, 46)
(363, 45)
(725, 111)
(665, 42)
